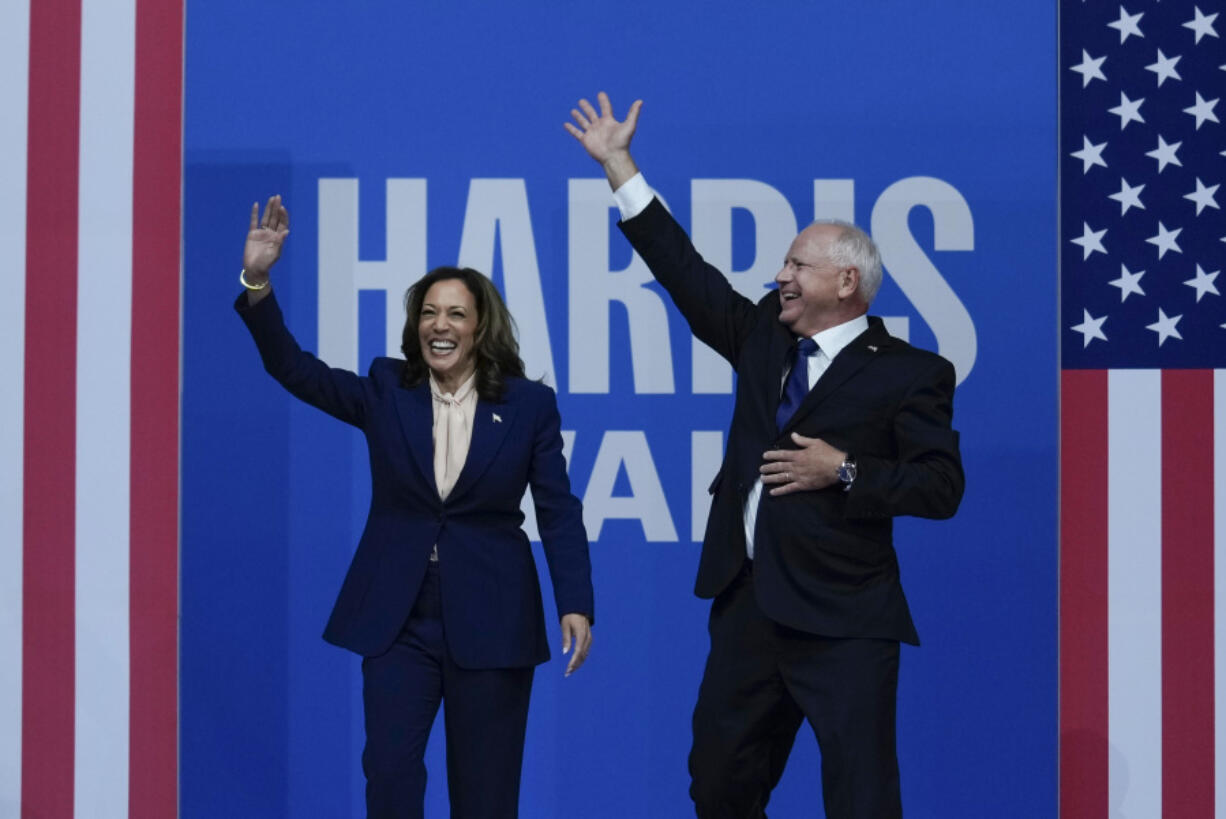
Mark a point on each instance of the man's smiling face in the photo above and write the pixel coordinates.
(813, 290)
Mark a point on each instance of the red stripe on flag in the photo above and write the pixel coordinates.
(157, 207)
(1083, 594)
(1187, 594)
(49, 554)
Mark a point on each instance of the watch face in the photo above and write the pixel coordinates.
(847, 471)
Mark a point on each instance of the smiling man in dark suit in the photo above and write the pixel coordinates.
(838, 428)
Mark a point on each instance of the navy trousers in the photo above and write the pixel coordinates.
(485, 716)
(761, 681)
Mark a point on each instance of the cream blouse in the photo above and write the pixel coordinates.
(453, 431)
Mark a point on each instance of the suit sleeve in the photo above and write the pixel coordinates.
(340, 393)
(926, 478)
(559, 515)
(718, 315)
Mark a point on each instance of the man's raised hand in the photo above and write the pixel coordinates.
(605, 138)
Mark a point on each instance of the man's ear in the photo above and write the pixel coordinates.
(849, 282)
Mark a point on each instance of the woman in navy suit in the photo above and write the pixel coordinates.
(442, 599)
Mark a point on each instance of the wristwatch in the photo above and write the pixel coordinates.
(847, 471)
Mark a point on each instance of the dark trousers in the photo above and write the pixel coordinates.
(761, 680)
(484, 718)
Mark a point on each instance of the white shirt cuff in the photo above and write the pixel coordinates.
(633, 196)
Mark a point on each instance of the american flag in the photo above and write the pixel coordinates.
(90, 188)
(1143, 409)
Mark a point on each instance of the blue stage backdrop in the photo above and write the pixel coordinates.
(409, 135)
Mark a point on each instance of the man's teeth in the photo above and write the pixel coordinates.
(790, 296)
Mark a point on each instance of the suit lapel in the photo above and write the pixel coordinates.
(417, 421)
(490, 425)
(850, 360)
(779, 347)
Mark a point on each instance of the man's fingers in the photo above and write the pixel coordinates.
(802, 440)
(606, 107)
(579, 118)
(255, 216)
(779, 466)
(573, 131)
(588, 109)
(632, 116)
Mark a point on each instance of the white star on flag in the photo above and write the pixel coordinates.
(1128, 197)
(1090, 155)
(1127, 24)
(1165, 154)
(1090, 241)
(1090, 328)
(1164, 240)
(1203, 283)
(1201, 24)
(1128, 283)
(1128, 110)
(1165, 327)
(1164, 68)
(1202, 110)
(1202, 196)
(1090, 68)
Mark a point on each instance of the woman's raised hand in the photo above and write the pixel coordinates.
(265, 236)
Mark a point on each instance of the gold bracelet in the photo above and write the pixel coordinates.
(242, 279)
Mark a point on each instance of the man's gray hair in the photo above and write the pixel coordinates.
(855, 248)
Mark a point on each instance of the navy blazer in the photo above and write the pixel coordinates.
(824, 560)
(491, 598)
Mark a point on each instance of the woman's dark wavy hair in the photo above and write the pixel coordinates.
(495, 348)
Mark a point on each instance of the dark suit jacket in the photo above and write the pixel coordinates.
(824, 561)
(491, 597)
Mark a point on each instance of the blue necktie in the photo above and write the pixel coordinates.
(797, 385)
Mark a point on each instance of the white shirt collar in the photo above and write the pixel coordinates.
(832, 340)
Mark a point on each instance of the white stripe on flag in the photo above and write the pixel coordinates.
(104, 344)
(1134, 591)
(14, 90)
(1219, 591)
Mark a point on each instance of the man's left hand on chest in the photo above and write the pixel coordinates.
(814, 465)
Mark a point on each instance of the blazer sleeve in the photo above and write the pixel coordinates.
(340, 393)
(926, 478)
(559, 514)
(717, 314)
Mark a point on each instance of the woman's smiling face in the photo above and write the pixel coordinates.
(447, 331)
